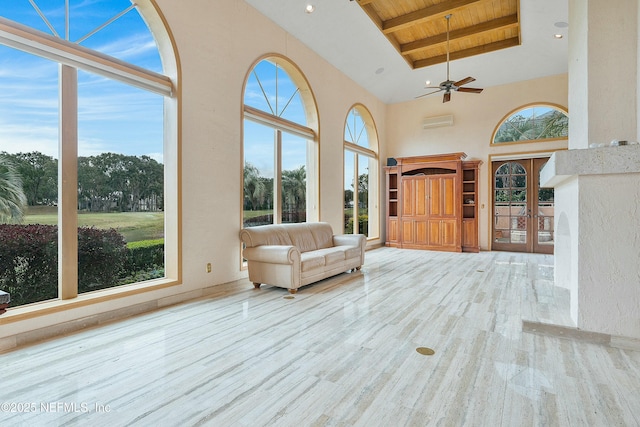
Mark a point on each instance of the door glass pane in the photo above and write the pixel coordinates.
(510, 204)
(28, 177)
(545, 214)
(258, 174)
(294, 178)
(120, 184)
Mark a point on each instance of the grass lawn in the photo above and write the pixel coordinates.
(134, 226)
(253, 214)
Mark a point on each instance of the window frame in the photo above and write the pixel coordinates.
(370, 152)
(279, 124)
(513, 112)
(71, 57)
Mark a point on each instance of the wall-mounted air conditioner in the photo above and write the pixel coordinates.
(434, 122)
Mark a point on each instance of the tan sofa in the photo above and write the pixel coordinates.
(295, 255)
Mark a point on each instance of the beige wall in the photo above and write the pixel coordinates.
(475, 119)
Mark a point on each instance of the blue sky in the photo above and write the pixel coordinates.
(112, 116)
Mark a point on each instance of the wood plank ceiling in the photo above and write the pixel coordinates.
(418, 28)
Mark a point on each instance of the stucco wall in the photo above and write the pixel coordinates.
(609, 275)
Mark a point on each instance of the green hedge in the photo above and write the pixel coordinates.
(145, 253)
(29, 261)
(363, 224)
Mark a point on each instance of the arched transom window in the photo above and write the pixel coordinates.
(532, 123)
(87, 97)
(360, 173)
(280, 145)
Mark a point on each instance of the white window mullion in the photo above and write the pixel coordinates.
(68, 184)
(277, 178)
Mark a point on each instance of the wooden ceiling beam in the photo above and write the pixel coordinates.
(413, 18)
(441, 39)
(373, 15)
(503, 44)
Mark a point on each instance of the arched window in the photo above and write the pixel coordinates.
(360, 173)
(532, 123)
(280, 145)
(87, 97)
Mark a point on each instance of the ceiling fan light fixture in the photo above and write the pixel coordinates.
(449, 85)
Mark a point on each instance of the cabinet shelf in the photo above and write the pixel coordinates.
(470, 210)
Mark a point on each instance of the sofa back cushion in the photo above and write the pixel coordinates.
(265, 235)
(306, 236)
(322, 234)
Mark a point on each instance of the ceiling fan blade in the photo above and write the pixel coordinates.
(464, 81)
(446, 97)
(469, 89)
(428, 93)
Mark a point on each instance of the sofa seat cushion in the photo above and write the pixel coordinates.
(350, 251)
(331, 255)
(311, 260)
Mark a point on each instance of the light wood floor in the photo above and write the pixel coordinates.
(341, 353)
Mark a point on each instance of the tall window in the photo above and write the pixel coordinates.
(85, 98)
(280, 146)
(360, 174)
(532, 123)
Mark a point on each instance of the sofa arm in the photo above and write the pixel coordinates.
(358, 240)
(274, 254)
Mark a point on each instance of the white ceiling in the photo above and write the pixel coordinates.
(341, 32)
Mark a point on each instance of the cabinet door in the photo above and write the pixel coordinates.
(407, 197)
(421, 230)
(469, 233)
(435, 197)
(448, 197)
(442, 197)
(449, 232)
(435, 236)
(392, 230)
(420, 195)
(407, 231)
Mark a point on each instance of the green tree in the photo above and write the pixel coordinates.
(363, 190)
(294, 189)
(13, 201)
(39, 174)
(254, 187)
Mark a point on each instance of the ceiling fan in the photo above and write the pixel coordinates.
(448, 85)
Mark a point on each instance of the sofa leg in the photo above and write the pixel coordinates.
(256, 285)
(358, 267)
(293, 291)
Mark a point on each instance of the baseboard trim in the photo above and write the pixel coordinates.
(569, 332)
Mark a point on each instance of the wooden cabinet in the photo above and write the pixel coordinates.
(425, 203)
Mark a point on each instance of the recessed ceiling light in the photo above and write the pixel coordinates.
(427, 83)
(558, 36)
(380, 70)
(310, 8)
(561, 24)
